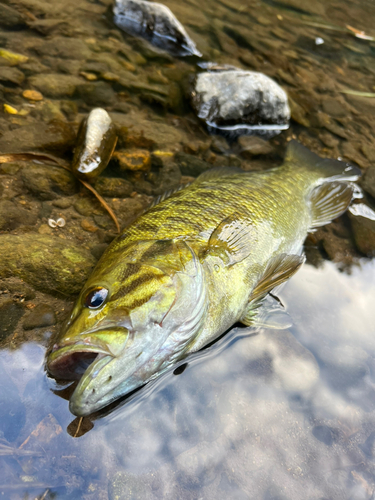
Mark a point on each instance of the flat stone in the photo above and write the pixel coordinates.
(65, 48)
(48, 182)
(114, 187)
(364, 234)
(334, 108)
(12, 75)
(368, 182)
(10, 314)
(55, 136)
(41, 316)
(48, 263)
(12, 216)
(97, 94)
(10, 18)
(252, 146)
(55, 85)
(136, 160)
(191, 165)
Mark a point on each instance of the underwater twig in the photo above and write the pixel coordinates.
(103, 202)
(357, 93)
(78, 427)
(47, 158)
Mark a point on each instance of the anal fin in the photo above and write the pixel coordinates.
(268, 314)
(329, 201)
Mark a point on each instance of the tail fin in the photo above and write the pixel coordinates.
(333, 190)
(328, 169)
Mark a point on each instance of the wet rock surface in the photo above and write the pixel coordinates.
(41, 316)
(241, 102)
(45, 262)
(156, 23)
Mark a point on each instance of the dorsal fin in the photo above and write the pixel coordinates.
(233, 238)
(166, 195)
(301, 157)
(216, 172)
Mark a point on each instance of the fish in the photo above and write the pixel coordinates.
(96, 141)
(194, 264)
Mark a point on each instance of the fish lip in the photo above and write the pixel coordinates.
(63, 362)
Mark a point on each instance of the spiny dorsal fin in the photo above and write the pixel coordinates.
(329, 201)
(279, 269)
(302, 157)
(269, 314)
(166, 195)
(214, 173)
(233, 237)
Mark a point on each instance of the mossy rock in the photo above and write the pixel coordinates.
(48, 263)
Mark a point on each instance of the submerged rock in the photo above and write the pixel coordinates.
(96, 141)
(362, 218)
(43, 315)
(239, 102)
(156, 23)
(48, 263)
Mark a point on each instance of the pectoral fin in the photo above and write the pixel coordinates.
(232, 239)
(279, 270)
(268, 314)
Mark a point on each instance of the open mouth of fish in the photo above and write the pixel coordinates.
(71, 361)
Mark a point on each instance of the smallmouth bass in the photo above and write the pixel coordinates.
(189, 268)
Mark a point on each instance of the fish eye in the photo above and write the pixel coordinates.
(96, 298)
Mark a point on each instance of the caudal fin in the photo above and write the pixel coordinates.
(333, 190)
(327, 169)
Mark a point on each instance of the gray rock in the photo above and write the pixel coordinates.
(240, 102)
(41, 316)
(368, 182)
(55, 136)
(253, 146)
(10, 314)
(362, 219)
(48, 263)
(156, 23)
(191, 165)
(113, 187)
(10, 18)
(55, 85)
(12, 75)
(97, 94)
(12, 216)
(48, 182)
(65, 48)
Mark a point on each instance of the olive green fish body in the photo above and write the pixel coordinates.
(190, 267)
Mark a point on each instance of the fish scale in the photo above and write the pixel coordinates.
(190, 267)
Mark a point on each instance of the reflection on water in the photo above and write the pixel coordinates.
(273, 415)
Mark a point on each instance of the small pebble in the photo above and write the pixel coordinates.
(88, 226)
(10, 109)
(32, 95)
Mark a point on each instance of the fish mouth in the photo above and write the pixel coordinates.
(70, 362)
(70, 359)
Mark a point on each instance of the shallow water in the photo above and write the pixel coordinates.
(273, 415)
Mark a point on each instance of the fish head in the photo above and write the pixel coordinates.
(135, 315)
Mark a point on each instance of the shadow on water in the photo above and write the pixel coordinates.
(271, 415)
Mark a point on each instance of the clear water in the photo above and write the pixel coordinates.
(276, 415)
